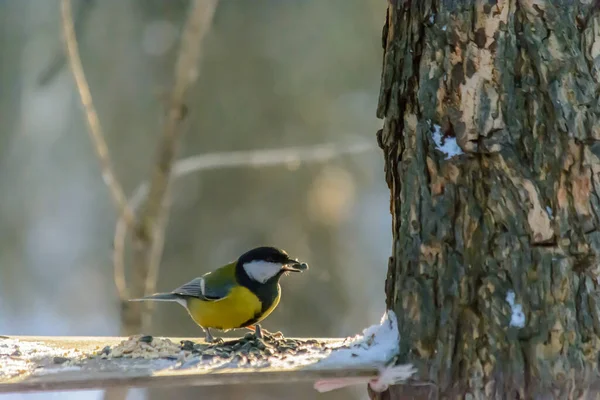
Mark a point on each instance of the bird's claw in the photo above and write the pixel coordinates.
(261, 333)
(211, 339)
(274, 335)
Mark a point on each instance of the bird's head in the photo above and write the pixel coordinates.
(265, 263)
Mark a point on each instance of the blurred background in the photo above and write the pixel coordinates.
(274, 74)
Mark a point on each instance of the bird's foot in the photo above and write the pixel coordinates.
(261, 333)
(272, 335)
(217, 341)
(209, 338)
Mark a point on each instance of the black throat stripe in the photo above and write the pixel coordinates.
(266, 292)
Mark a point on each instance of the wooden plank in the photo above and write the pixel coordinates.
(69, 363)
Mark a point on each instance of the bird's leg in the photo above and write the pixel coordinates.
(209, 337)
(258, 332)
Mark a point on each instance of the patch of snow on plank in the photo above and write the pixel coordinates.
(20, 358)
(378, 344)
(378, 347)
(58, 370)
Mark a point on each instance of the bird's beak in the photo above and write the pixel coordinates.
(294, 266)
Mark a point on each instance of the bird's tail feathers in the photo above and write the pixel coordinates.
(160, 297)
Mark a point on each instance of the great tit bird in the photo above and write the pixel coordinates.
(237, 295)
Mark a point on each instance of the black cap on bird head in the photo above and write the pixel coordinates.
(262, 264)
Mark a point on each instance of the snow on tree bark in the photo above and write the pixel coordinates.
(511, 225)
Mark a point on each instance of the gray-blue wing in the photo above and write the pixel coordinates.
(206, 288)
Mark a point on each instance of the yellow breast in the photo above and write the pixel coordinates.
(239, 309)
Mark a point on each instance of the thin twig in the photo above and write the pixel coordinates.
(95, 128)
(147, 235)
(205, 162)
(83, 10)
(256, 158)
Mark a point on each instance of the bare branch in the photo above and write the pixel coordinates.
(148, 231)
(126, 215)
(95, 128)
(256, 158)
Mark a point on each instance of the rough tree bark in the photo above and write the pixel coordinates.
(515, 83)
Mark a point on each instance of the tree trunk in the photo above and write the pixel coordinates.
(511, 224)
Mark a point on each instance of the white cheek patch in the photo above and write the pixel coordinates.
(262, 271)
